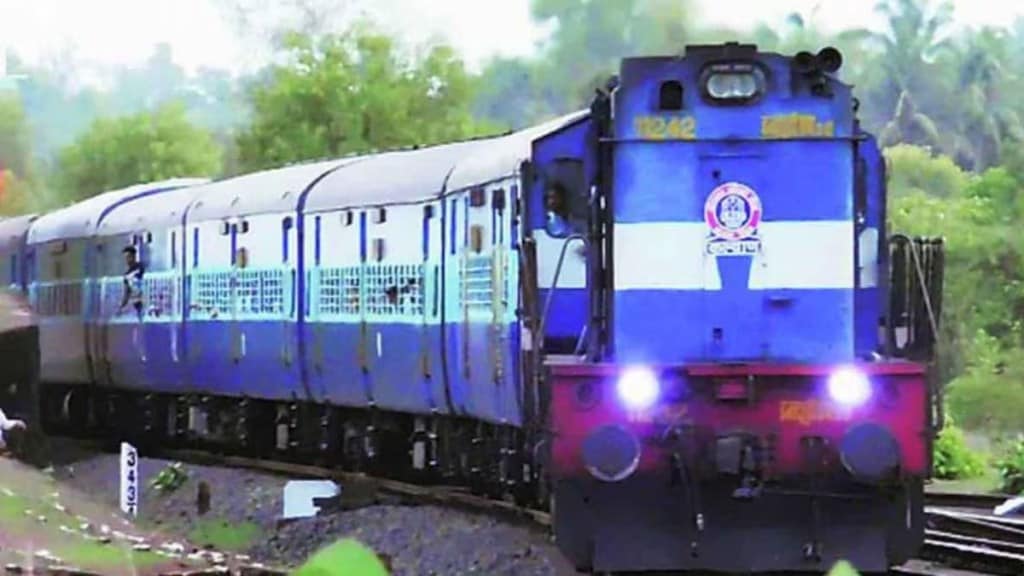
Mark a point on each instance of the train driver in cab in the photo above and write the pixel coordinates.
(132, 280)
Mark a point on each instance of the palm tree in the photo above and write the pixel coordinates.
(914, 40)
(909, 126)
(987, 118)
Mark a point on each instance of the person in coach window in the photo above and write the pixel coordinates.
(132, 280)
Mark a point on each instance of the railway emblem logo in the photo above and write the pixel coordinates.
(733, 214)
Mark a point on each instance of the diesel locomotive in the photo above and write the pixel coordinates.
(676, 319)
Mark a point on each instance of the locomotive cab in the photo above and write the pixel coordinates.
(728, 391)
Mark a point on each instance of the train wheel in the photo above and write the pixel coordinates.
(75, 411)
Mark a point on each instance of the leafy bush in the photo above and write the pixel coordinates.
(1011, 468)
(170, 478)
(989, 394)
(953, 459)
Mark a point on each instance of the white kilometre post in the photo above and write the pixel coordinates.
(129, 479)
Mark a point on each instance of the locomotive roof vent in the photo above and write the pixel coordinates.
(727, 50)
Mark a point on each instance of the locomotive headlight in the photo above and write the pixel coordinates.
(638, 388)
(732, 85)
(849, 387)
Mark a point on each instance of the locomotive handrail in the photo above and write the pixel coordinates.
(932, 321)
(554, 284)
(921, 280)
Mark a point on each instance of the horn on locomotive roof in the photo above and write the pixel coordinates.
(829, 59)
(804, 62)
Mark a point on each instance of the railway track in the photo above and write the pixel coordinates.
(442, 495)
(964, 500)
(962, 533)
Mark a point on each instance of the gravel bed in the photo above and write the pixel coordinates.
(425, 540)
(420, 540)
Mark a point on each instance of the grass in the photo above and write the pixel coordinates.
(343, 557)
(223, 535)
(98, 556)
(988, 482)
(86, 554)
(12, 508)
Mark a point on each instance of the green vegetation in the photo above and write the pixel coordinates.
(169, 479)
(354, 93)
(953, 458)
(97, 556)
(344, 558)
(1011, 468)
(982, 341)
(73, 549)
(144, 147)
(12, 508)
(224, 535)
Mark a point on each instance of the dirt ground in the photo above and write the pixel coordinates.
(242, 523)
(45, 523)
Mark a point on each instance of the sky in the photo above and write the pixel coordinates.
(105, 33)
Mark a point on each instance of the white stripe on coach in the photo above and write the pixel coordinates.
(794, 255)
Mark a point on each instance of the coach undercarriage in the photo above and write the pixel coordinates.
(428, 449)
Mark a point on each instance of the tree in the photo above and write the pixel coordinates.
(914, 40)
(267, 24)
(982, 340)
(17, 176)
(908, 126)
(143, 147)
(583, 51)
(15, 138)
(988, 119)
(354, 93)
(908, 61)
(16, 194)
(57, 111)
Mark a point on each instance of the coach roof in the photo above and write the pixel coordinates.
(269, 191)
(13, 229)
(392, 177)
(80, 220)
(503, 157)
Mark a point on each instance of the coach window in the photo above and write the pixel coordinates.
(477, 198)
(195, 247)
(286, 227)
(316, 241)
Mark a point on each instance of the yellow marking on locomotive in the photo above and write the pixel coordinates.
(665, 128)
(796, 126)
(806, 412)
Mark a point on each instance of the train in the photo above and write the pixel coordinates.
(676, 319)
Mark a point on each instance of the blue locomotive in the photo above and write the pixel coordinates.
(677, 315)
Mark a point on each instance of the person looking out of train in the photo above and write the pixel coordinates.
(132, 280)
